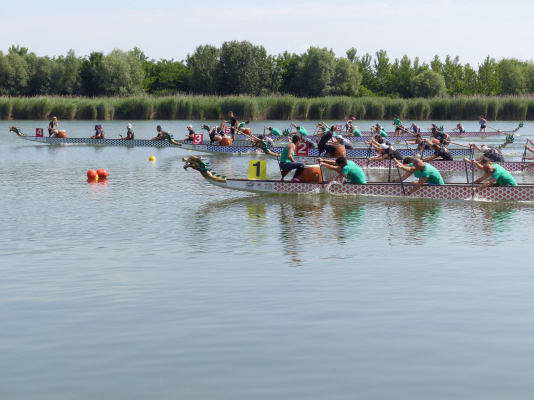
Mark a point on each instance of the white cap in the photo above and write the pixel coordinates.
(129, 126)
(384, 146)
(484, 148)
(190, 126)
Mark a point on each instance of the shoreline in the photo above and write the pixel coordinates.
(194, 107)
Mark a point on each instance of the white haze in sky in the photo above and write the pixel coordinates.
(172, 29)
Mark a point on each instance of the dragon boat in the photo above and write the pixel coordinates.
(168, 142)
(451, 191)
(391, 135)
(251, 149)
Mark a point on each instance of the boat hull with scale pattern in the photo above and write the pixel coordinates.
(455, 191)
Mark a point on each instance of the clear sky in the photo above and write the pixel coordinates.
(172, 29)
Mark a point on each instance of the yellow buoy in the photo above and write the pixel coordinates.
(151, 158)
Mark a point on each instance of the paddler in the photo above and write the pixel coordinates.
(53, 127)
(233, 124)
(493, 154)
(482, 121)
(379, 130)
(325, 142)
(398, 125)
(387, 151)
(348, 124)
(300, 130)
(161, 134)
(341, 141)
(440, 152)
(346, 169)
(493, 174)
(529, 149)
(426, 174)
(303, 135)
(460, 128)
(217, 133)
(441, 136)
(99, 132)
(266, 139)
(190, 135)
(273, 131)
(422, 144)
(415, 128)
(288, 163)
(129, 133)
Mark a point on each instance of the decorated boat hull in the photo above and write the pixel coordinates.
(391, 136)
(114, 142)
(441, 165)
(360, 152)
(448, 192)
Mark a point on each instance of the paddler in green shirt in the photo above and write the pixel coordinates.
(356, 132)
(493, 174)
(426, 173)
(300, 130)
(273, 131)
(398, 125)
(346, 169)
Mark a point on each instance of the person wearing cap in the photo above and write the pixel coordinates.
(341, 141)
(493, 174)
(425, 173)
(386, 151)
(348, 125)
(190, 135)
(99, 132)
(440, 152)
(266, 139)
(129, 133)
(162, 135)
(346, 169)
(493, 154)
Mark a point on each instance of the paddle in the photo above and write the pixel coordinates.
(400, 178)
(409, 148)
(506, 133)
(458, 144)
(369, 152)
(389, 172)
(472, 181)
(523, 159)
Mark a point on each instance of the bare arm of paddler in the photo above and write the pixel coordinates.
(474, 145)
(475, 163)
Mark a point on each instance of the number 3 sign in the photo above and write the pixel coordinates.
(302, 149)
(198, 138)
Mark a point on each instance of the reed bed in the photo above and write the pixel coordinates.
(187, 107)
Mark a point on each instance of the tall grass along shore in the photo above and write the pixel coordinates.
(184, 107)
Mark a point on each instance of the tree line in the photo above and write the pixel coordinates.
(242, 68)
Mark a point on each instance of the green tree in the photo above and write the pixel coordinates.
(203, 65)
(19, 75)
(514, 77)
(401, 75)
(453, 73)
(316, 71)
(168, 76)
(365, 68)
(488, 77)
(120, 73)
(89, 73)
(244, 69)
(428, 84)
(70, 80)
(382, 69)
(346, 79)
(288, 65)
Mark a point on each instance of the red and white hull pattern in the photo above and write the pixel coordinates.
(448, 191)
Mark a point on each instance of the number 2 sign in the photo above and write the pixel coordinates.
(198, 138)
(302, 149)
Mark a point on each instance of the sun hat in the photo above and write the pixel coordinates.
(352, 118)
(484, 148)
(129, 126)
(189, 126)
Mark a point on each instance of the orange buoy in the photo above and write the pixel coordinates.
(312, 173)
(91, 174)
(102, 173)
(61, 134)
(225, 141)
(340, 152)
(247, 131)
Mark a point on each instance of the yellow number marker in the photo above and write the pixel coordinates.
(257, 170)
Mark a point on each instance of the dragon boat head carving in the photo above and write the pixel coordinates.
(170, 138)
(17, 130)
(202, 167)
(263, 146)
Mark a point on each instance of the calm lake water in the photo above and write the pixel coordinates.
(159, 286)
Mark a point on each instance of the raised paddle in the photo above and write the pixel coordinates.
(523, 159)
(521, 124)
(409, 148)
(400, 178)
